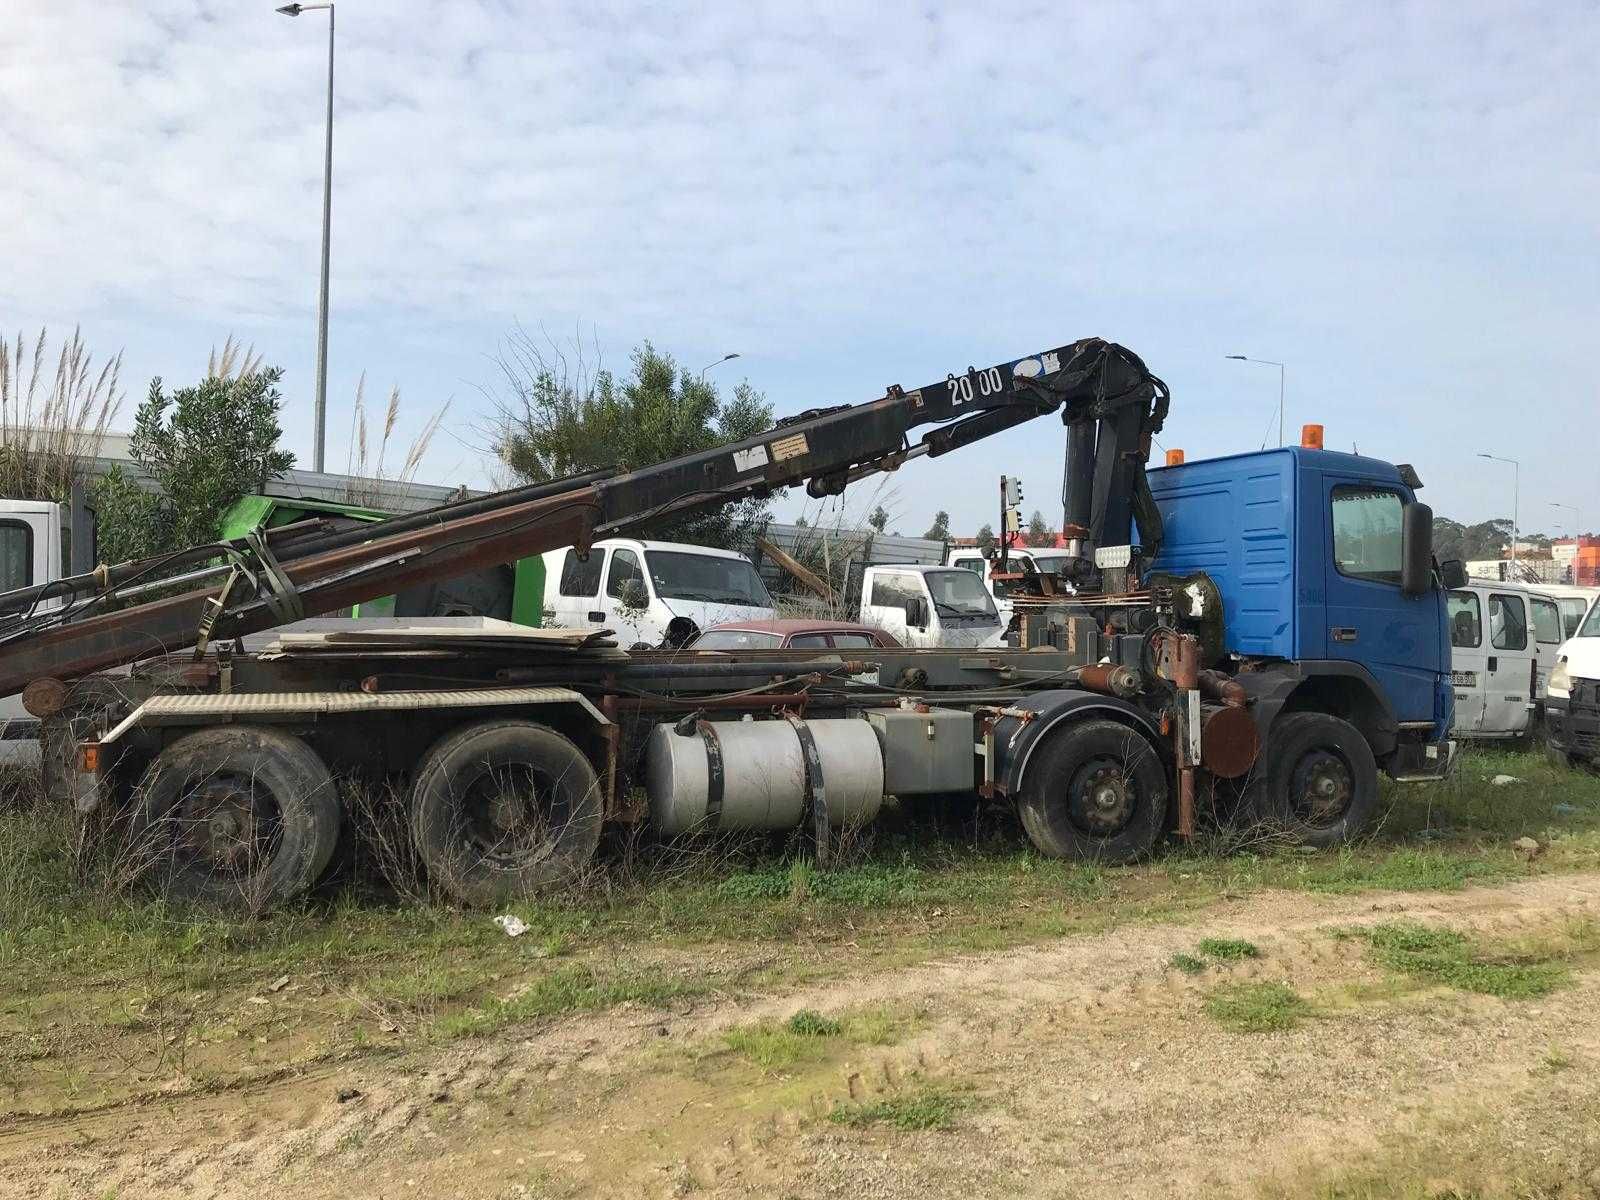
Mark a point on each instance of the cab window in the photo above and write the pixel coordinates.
(1466, 620)
(16, 555)
(1571, 613)
(1508, 622)
(579, 578)
(1366, 533)
(624, 569)
(893, 591)
(1546, 621)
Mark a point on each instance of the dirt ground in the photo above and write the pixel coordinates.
(1086, 1066)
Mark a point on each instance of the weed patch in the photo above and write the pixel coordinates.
(568, 989)
(1228, 949)
(1257, 1007)
(1187, 963)
(927, 1108)
(1444, 956)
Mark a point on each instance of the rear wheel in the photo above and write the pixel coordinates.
(240, 816)
(1096, 791)
(504, 809)
(1319, 784)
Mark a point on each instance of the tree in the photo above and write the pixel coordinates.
(986, 538)
(203, 447)
(561, 417)
(1039, 533)
(939, 531)
(879, 520)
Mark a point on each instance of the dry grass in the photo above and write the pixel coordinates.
(48, 431)
(368, 465)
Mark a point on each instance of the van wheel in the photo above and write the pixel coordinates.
(1096, 792)
(504, 809)
(239, 816)
(1319, 784)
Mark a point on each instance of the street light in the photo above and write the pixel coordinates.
(718, 363)
(1577, 517)
(1282, 372)
(294, 10)
(1516, 474)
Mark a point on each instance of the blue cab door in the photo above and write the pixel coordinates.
(1368, 620)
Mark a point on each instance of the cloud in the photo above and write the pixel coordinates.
(1399, 201)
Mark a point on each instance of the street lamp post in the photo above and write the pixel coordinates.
(718, 363)
(1516, 485)
(1577, 516)
(294, 10)
(1282, 373)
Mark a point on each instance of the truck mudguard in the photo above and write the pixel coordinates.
(1270, 687)
(1016, 738)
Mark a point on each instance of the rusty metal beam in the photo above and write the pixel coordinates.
(324, 582)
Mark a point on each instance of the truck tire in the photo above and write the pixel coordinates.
(1319, 782)
(1096, 792)
(239, 816)
(504, 809)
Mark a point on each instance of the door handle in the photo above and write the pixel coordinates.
(1494, 663)
(1343, 633)
(598, 617)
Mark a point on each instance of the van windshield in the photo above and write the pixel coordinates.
(958, 593)
(682, 576)
(1591, 623)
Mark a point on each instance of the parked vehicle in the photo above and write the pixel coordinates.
(1504, 640)
(929, 606)
(1572, 696)
(639, 589)
(35, 548)
(792, 633)
(1270, 621)
(1573, 601)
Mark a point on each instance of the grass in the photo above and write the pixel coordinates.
(1256, 1007)
(927, 1108)
(1228, 949)
(1187, 963)
(809, 1035)
(1511, 970)
(365, 962)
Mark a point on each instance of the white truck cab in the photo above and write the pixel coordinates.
(33, 550)
(931, 606)
(1019, 558)
(1504, 640)
(637, 588)
(1572, 721)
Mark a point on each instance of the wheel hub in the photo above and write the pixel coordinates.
(220, 822)
(1323, 787)
(1102, 798)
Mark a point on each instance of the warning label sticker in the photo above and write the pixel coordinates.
(750, 460)
(792, 446)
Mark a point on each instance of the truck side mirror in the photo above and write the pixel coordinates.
(1453, 574)
(1416, 549)
(916, 612)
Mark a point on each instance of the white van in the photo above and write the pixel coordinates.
(930, 606)
(34, 549)
(1573, 722)
(970, 558)
(1504, 639)
(637, 588)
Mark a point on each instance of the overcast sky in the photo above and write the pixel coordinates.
(1399, 202)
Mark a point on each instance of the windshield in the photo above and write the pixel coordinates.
(735, 639)
(1051, 564)
(1591, 623)
(681, 576)
(958, 593)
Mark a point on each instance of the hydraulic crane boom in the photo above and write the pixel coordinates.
(1089, 382)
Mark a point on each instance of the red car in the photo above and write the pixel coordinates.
(792, 633)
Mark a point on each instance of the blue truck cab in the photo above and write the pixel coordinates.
(1330, 603)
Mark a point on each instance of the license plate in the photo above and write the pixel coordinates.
(1464, 678)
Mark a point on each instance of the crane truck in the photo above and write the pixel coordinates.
(1257, 635)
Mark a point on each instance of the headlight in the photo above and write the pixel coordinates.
(1560, 681)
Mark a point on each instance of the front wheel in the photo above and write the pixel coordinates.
(504, 809)
(1096, 792)
(1319, 784)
